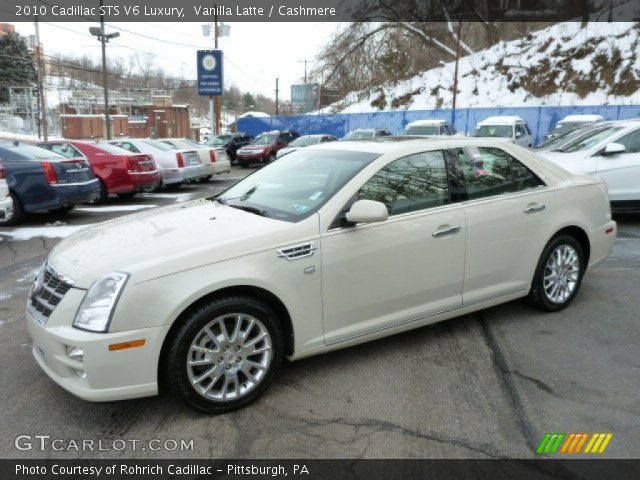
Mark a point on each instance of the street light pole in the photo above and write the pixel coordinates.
(104, 39)
(42, 105)
(216, 33)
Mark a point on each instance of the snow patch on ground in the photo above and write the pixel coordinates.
(602, 58)
(115, 208)
(57, 231)
(4, 296)
(178, 197)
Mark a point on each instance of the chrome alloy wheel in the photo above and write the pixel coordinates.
(229, 357)
(561, 274)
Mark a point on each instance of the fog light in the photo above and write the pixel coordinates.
(80, 373)
(75, 353)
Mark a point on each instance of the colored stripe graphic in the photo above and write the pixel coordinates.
(573, 443)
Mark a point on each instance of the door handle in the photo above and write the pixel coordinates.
(445, 230)
(535, 207)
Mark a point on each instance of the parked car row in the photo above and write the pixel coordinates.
(56, 175)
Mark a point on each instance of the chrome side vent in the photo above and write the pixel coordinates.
(297, 251)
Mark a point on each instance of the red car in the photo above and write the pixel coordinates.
(120, 172)
(264, 147)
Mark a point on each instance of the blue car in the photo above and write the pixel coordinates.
(40, 180)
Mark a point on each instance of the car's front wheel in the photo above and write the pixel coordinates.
(224, 354)
(558, 274)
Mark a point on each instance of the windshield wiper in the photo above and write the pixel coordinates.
(250, 209)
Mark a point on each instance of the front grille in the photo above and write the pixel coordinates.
(49, 289)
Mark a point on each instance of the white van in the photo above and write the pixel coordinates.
(511, 128)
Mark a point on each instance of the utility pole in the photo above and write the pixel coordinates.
(104, 38)
(42, 105)
(455, 74)
(216, 33)
(277, 79)
(305, 69)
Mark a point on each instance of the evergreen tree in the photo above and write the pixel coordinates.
(17, 67)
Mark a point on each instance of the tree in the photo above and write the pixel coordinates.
(16, 64)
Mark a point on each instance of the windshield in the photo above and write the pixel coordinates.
(422, 130)
(297, 184)
(357, 134)
(159, 145)
(265, 139)
(503, 131)
(566, 137)
(305, 141)
(33, 152)
(590, 140)
(219, 140)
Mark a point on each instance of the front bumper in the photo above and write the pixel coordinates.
(102, 375)
(251, 157)
(6, 207)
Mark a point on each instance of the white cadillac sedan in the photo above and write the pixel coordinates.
(610, 151)
(330, 246)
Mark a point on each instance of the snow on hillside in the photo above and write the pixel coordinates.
(566, 64)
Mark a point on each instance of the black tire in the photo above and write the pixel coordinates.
(243, 163)
(173, 186)
(206, 179)
(178, 350)
(17, 214)
(103, 195)
(540, 298)
(127, 195)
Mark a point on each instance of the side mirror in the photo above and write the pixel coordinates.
(367, 211)
(613, 148)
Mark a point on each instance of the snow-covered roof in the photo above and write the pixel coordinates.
(254, 114)
(581, 119)
(426, 123)
(502, 120)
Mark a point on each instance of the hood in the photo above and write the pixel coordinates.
(158, 242)
(257, 147)
(574, 162)
(285, 150)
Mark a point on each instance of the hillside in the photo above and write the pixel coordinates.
(565, 64)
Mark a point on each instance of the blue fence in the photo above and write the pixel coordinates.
(540, 119)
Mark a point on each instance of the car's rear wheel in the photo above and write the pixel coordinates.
(14, 215)
(224, 354)
(62, 210)
(558, 274)
(103, 195)
(272, 158)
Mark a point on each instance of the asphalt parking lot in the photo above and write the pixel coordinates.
(489, 384)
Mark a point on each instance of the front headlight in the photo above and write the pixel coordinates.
(97, 307)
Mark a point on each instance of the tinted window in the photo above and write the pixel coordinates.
(128, 146)
(421, 130)
(492, 171)
(29, 152)
(590, 140)
(411, 183)
(631, 142)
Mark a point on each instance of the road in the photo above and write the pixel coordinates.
(489, 384)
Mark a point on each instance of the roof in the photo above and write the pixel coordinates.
(382, 145)
(581, 118)
(501, 120)
(426, 122)
(254, 114)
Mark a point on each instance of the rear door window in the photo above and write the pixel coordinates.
(489, 171)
